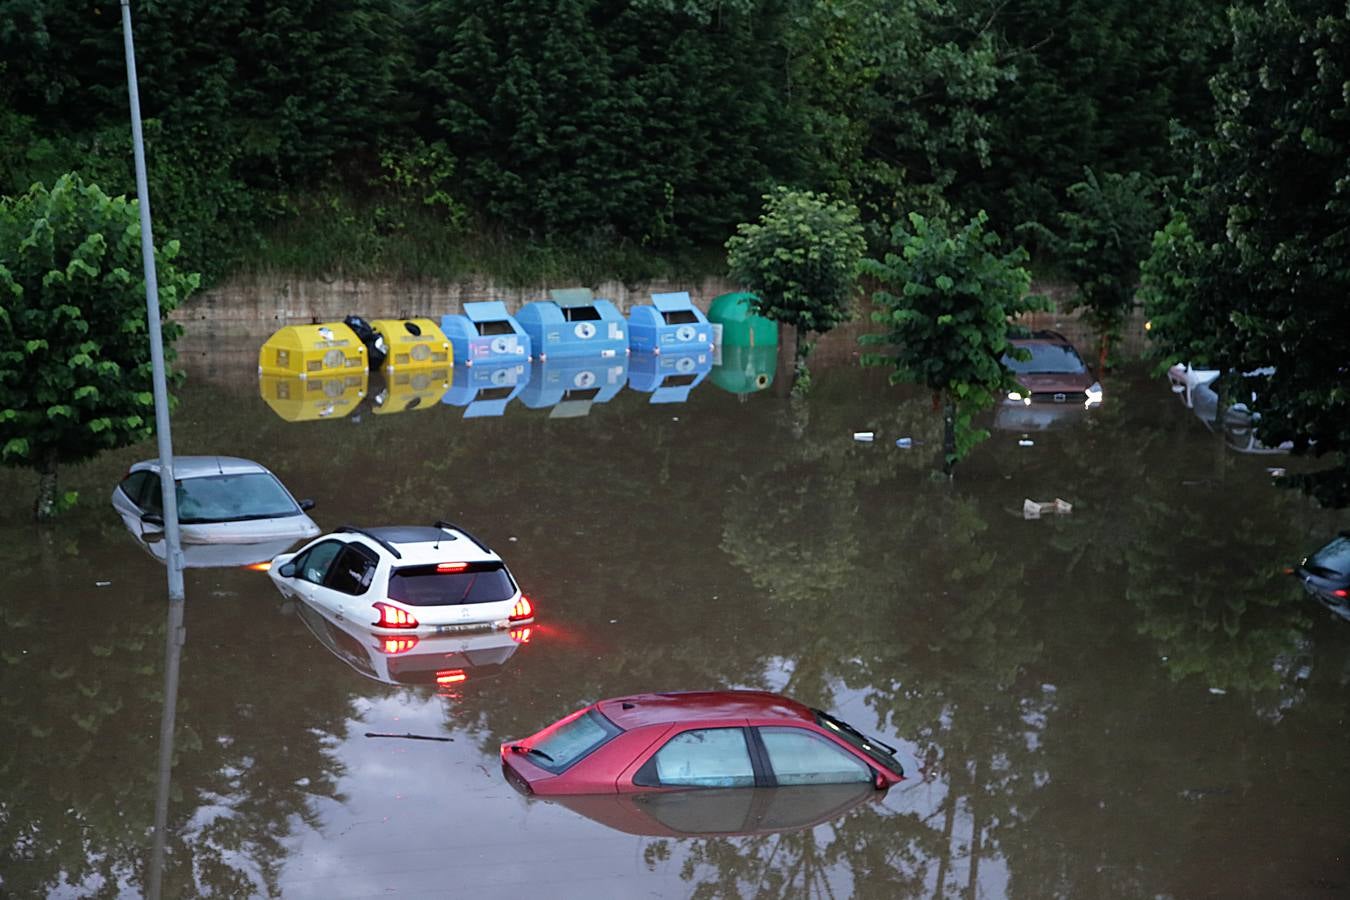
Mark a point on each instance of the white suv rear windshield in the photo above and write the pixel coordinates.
(487, 582)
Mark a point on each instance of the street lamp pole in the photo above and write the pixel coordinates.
(169, 492)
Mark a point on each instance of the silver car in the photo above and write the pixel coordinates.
(221, 500)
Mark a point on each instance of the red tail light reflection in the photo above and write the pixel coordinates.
(393, 617)
(522, 635)
(523, 609)
(394, 646)
(450, 676)
(1341, 592)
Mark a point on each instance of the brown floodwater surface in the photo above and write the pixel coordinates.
(1130, 700)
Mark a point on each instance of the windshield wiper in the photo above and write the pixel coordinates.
(521, 748)
(844, 726)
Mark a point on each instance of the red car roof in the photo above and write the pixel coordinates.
(662, 709)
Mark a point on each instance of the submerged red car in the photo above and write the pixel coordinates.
(709, 739)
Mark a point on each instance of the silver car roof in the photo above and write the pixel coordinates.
(202, 466)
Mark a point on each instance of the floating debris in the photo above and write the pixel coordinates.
(864, 437)
(1033, 510)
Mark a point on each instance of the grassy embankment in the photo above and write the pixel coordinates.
(346, 237)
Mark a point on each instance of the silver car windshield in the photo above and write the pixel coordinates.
(231, 498)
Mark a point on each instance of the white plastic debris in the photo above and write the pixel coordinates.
(1033, 510)
(102, 583)
(1219, 691)
(864, 437)
(1025, 442)
(904, 443)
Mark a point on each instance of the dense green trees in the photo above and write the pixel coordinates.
(1252, 271)
(74, 359)
(588, 124)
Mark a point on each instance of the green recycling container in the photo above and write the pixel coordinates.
(740, 327)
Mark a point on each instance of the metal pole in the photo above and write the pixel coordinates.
(174, 556)
(173, 652)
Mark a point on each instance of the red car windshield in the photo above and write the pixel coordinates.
(1046, 359)
(566, 744)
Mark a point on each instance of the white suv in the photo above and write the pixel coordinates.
(405, 579)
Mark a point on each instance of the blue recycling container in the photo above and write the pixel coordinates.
(571, 385)
(668, 377)
(486, 333)
(574, 323)
(486, 389)
(669, 324)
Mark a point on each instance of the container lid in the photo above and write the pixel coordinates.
(572, 296)
(672, 302)
(488, 311)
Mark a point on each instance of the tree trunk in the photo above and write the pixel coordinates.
(44, 508)
(786, 372)
(948, 434)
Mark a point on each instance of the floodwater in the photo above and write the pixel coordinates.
(1129, 700)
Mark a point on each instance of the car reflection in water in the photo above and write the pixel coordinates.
(731, 813)
(444, 660)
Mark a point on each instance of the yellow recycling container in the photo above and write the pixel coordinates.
(412, 389)
(298, 399)
(312, 351)
(413, 344)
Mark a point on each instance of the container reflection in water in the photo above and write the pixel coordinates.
(669, 324)
(439, 660)
(745, 370)
(573, 323)
(297, 399)
(486, 333)
(486, 390)
(719, 813)
(570, 385)
(401, 391)
(668, 377)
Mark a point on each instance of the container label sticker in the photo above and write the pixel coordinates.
(584, 330)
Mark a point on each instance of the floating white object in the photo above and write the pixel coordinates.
(864, 437)
(904, 443)
(1026, 442)
(1033, 510)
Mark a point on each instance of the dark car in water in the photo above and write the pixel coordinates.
(1326, 574)
(696, 739)
(1055, 386)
